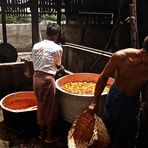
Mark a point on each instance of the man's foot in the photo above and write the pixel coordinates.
(43, 133)
(41, 137)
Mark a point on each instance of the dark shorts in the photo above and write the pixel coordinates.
(122, 118)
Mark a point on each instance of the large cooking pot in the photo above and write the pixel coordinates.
(73, 104)
(19, 110)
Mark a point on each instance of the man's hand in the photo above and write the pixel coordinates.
(60, 69)
(60, 72)
(92, 108)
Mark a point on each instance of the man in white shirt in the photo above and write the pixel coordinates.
(47, 56)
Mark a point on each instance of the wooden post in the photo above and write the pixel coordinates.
(3, 6)
(133, 22)
(59, 3)
(35, 22)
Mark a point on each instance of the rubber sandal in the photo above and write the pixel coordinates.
(52, 140)
(41, 137)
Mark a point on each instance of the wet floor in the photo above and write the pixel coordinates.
(11, 138)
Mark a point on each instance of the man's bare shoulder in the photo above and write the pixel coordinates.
(119, 54)
(125, 52)
(117, 58)
(130, 51)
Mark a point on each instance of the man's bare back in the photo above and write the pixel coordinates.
(132, 70)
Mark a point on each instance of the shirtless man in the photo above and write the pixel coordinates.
(130, 70)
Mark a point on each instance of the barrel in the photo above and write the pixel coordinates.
(73, 104)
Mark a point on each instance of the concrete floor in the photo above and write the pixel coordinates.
(10, 138)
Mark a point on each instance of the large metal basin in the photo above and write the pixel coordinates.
(74, 104)
(19, 110)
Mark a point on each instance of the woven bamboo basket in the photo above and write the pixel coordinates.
(88, 131)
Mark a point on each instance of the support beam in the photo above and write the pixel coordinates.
(59, 3)
(3, 6)
(35, 22)
(133, 22)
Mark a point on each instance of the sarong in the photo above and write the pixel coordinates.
(121, 118)
(143, 129)
(47, 103)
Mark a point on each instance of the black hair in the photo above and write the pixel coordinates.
(145, 43)
(53, 29)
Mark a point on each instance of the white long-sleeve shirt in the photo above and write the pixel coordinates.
(46, 55)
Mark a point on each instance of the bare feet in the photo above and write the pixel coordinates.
(43, 133)
(50, 138)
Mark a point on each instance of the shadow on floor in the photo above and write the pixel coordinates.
(10, 138)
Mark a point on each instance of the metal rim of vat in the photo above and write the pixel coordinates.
(84, 95)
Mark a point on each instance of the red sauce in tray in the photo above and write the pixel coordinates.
(20, 101)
